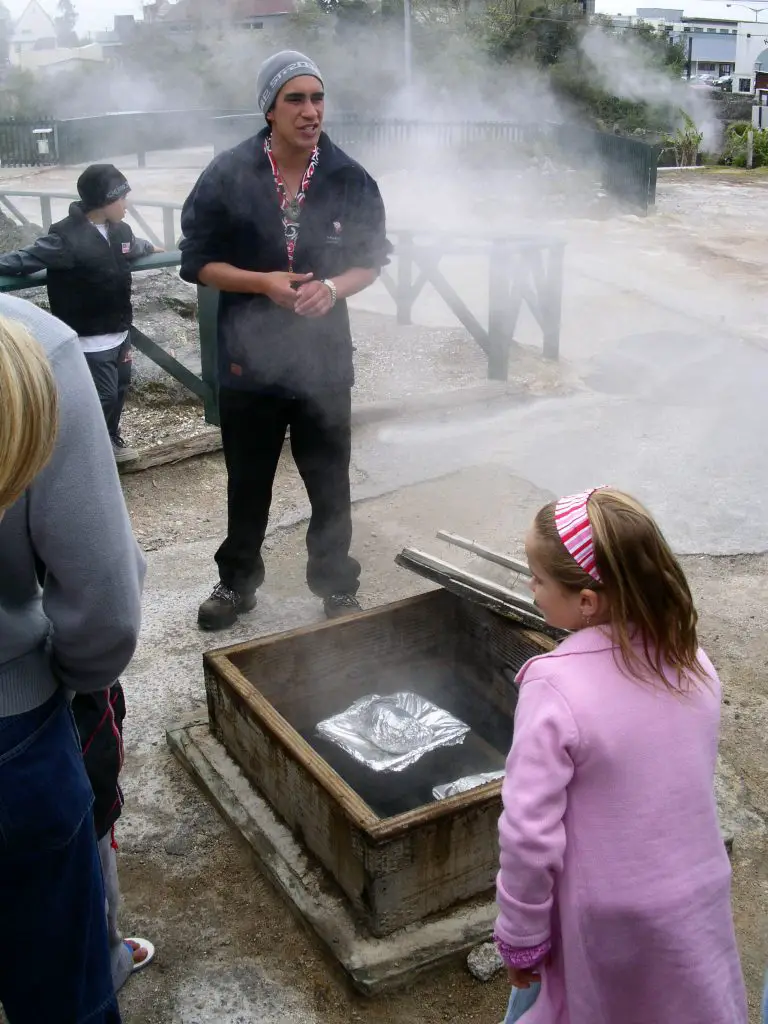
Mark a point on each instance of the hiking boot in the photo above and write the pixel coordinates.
(338, 605)
(122, 452)
(222, 608)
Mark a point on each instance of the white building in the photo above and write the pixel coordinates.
(709, 43)
(751, 56)
(34, 30)
(54, 61)
(33, 45)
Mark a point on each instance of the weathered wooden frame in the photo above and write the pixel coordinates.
(395, 871)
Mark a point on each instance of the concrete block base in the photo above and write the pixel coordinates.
(373, 965)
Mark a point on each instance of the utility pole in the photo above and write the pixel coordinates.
(408, 39)
(690, 55)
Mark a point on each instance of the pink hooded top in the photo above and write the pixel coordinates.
(610, 845)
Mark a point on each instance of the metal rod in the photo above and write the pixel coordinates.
(488, 587)
(486, 553)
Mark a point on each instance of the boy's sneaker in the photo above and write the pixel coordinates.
(122, 452)
(222, 608)
(338, 605)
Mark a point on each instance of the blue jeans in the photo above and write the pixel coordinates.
(54, 953)
(521, 1000)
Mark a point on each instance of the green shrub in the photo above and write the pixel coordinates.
(735, 149)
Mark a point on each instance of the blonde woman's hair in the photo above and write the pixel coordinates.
(28, 410)
(646, 590)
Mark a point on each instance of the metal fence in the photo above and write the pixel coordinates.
(28, 143)
(626, 167)
(87, 139)
(367, 137)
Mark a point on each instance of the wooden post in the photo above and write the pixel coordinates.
(169, 231)
(499, 268)
(750, 149)
(46, 213)
(551, 303)
(404, 296)
(207, 319)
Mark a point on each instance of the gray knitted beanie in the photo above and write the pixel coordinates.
(279, 69)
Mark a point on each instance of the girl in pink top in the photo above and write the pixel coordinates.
(614, 886)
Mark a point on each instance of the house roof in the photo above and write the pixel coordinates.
(732, 22)
(34, 8)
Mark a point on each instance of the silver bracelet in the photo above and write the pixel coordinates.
(332, 289)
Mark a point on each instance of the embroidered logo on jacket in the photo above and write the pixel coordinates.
(335, 238)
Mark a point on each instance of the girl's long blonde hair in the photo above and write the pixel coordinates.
(28, 410)
(646, 590)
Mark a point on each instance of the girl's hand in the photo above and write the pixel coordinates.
(523, 977)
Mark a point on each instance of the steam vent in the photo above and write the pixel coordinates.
(393, 869)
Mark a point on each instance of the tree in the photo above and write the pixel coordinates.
(66, 20)
(6, 30)
(547, 32)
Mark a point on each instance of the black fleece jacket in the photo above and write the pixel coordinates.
(233, 216)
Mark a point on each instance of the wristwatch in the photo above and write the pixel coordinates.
(332, 289)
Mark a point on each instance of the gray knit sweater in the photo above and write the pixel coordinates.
(80, 630)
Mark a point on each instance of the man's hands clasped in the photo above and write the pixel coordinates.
(300, 293)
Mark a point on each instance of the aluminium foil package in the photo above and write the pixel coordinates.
(388, 734)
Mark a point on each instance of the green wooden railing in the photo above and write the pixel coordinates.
(522, 269)
(171, 212)
(203, 386)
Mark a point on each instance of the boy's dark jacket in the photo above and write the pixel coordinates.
(99, 718)
(233, 216)
(89, 278)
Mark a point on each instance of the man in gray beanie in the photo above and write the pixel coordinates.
(286, 227)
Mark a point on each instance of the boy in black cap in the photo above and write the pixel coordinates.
(88, 258)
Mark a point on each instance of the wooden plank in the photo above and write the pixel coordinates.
(501, 325)
(167, 362)
(46, 212)
(286, 736)
(169, 228)
(348, 656)
(429, 262)
(552, 302)
(171, 452)
(151, 235)
(15, 211)
(325, 824)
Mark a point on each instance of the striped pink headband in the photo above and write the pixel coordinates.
(575, 530)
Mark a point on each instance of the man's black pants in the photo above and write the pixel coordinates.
(111, 372)
(253, 428)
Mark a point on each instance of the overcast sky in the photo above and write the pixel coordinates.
(99, 14)
(94, 14)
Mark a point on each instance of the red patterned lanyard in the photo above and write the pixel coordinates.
(291, 207)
